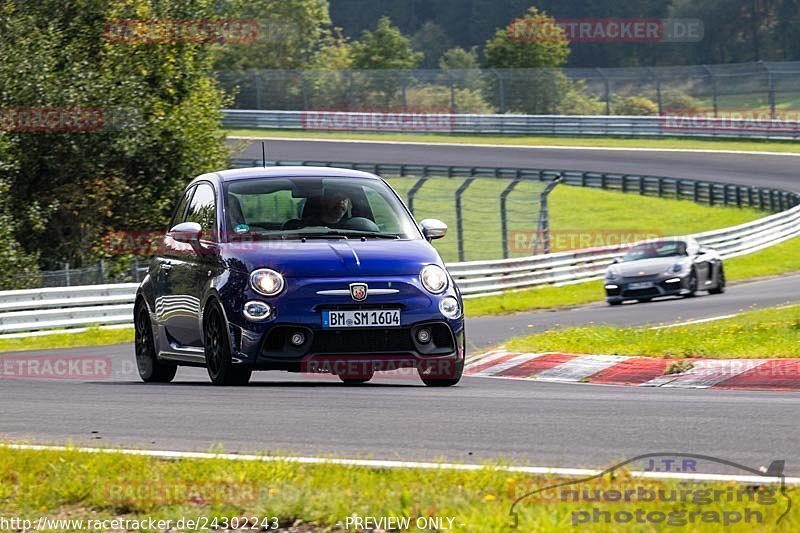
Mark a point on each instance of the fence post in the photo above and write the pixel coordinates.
(413, 192)
(504, 212)
(257, 79)
(607, 91)
(101, 275)
(66, 273)
(460, 217)
(135, 269)
(654, 73)
(500, 90)
(543, 231)
(771, 89)
(713, 87)
(351, 90)
(304, 89)
(403, 90)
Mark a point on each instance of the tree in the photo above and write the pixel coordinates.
(432, 41)
(290, 33)
(385, 48)
(531, 42)
(159, 109)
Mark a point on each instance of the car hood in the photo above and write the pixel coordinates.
(332, 257)
(648, 267)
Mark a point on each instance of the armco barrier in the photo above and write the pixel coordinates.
(559, 125)
(71, 307)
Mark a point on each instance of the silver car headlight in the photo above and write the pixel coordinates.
(613, 272)
(449, 307)
(677, 268)
(267, 282)
(434, 278)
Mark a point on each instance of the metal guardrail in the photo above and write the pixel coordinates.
(558, 125)
(37, 310)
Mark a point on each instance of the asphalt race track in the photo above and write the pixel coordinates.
(539, 424)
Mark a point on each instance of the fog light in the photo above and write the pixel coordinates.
(449, 307)
(424, 336)
(612, 286)
(297, 339)
(673, 280)
(257, 311)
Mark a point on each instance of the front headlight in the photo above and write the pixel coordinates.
(677, 268)
(434, 278)
(449, 307)
(267, 282)
(613, 272)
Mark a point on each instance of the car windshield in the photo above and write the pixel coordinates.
(315, 207)
(652, 250)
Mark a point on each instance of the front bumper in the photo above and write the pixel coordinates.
(621, 289)
(267, 344)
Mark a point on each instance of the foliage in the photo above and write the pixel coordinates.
(432, 41)
(635, 106)
(505, 51)
(290, 32)
(673, 100)
(160, 114)
(384, 48)
(435, 98)
(577, 101)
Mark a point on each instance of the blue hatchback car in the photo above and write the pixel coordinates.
(302, 269)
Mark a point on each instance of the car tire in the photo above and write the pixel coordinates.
(151, 370)
(219, 363)
(720, 288)
(432, 376)
(614, 302)
(353, 379)
(692, 285)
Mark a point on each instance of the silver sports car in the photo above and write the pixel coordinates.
(675, 267)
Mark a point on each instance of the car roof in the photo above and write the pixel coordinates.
(285, 172)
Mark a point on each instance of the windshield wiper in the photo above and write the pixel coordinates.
(346, 234)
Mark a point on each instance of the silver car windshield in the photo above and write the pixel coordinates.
(654, 250)
(315, 207)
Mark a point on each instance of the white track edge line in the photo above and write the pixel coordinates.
(373, 463)
(523, 146)
(695, 321)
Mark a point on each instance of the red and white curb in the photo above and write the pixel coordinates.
(742, 374)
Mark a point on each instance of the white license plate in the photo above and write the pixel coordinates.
(362, 318)
(640, 285)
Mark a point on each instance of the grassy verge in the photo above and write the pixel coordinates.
(528, 140)
(756, 334)
(322, 497)
(91, 337)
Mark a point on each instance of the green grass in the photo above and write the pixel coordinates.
(765, 333)
(775, 260)
(91, 337)
(527, 140)
(579, 217)
(77, 485)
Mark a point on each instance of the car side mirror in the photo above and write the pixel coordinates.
(616, 260)
(433, 228)
(187, 232)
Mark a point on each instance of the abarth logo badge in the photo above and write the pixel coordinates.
(358, 291)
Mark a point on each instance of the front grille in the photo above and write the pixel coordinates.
(634, 279)
(361, 341)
